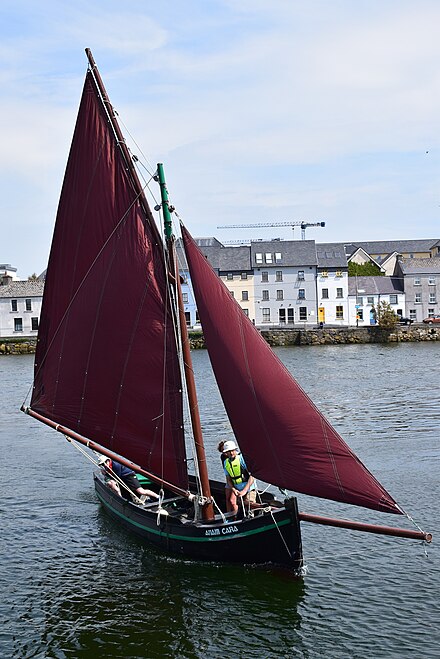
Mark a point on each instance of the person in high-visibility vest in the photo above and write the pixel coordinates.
(240, 484)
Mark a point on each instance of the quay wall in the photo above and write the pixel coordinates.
(339, 335)
(288, 337)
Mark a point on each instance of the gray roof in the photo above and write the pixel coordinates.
(293, 252)
(22, 289)
(221, 258)
(374, 285)
(7, 266)
(388, 246)
(331, 255)
(420, 266)
(235, 258)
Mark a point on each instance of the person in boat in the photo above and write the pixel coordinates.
(240, 484)
(112, 468)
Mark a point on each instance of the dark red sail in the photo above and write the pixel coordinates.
(284, 437)
(106, 362)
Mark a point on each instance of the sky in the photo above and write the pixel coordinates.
(280, 111)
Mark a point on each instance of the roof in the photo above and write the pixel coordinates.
(27, 288)
(221, 258)
(7, 266)
(420, 266)
(387, 246)
(331, 255)
(293, 252)
(235, 258)
(374, 285)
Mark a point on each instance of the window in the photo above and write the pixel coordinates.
(197, 317)
(300, 275)
(303, 313)
(282, 316)
(301, 293)
(417, 297)
(18, 324)
(338, 273)
(359, 314)
(28, 305)
(264, 276)
(185, 297)
(265, 295)
(246, 312)
(266, 315)
(370, 299)
(229, 276)
(393, 299)
(280, 295)
(339, 292)
(417, 281)
(278, 275)
(245, 295)
(324, 273)
(290, 316)
(432, 299)
(324, 293)
(14, 305)
(244, 275)
(278, 257)
(339, 311)
(258, 258)
(431, 281)
(430, 312)
(359, 300)
(413, 314)
(268, 257)
(188, 318)
(232, 293)
(34, 324)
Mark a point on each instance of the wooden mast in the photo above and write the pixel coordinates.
(208, 508)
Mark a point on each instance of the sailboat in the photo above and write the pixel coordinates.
(113, 367)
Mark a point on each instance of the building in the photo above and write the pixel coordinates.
(284, 282)
(20, 307)
(420, 279)
(366, 293)
(332, 284)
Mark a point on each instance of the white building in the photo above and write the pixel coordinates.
(20, 307)
(332, 284)
(364, 293)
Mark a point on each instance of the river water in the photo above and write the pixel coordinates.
(73, 585)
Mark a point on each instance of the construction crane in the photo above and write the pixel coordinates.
(303, 226)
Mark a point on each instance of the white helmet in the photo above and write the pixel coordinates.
(102, 460)
(230, 446)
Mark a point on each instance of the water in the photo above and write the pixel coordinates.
(74, 585)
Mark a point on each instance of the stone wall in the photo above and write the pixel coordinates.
(288, 337)
(14, 347)
(340, 335)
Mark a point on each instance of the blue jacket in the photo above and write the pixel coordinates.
(121, 470)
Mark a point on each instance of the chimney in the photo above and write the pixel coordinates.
(5, 280)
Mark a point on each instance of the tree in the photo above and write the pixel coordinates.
(385, 316)
(33, 277)
(367, 269)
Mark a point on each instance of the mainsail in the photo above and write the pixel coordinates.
(285, 438)
(106, 363)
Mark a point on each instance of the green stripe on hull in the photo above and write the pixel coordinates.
(221, 538)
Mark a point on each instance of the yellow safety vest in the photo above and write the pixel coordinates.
(234, 470)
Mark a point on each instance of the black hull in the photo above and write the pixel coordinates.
(266, 538)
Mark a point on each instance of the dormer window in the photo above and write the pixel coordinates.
(268, 257)
(258, 259)
(278, 257)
